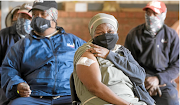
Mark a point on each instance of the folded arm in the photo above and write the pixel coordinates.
(126, 62)
(129, 66)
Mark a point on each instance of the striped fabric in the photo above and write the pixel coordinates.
(80, 51)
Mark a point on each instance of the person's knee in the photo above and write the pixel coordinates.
(19, 101)
(170, 93)
(169, 97)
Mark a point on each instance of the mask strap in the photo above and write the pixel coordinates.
(55, 22)
(52, 18)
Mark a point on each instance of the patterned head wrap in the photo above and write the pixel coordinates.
(53, 12)
(99, 19)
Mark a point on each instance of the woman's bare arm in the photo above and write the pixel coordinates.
(90, 76)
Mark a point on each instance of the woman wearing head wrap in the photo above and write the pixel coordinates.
(98, 79)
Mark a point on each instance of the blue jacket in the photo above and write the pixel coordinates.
(133, 70)
(44, 63)
(158, 55)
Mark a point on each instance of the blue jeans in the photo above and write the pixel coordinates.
(169, 95)
(41, 101)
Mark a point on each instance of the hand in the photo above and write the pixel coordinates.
(151, 82)
(24, 89)
(153, 91)
(98, 51)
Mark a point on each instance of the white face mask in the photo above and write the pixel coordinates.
(23, 26)
(154, 23)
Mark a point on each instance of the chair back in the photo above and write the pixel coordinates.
(74, 97)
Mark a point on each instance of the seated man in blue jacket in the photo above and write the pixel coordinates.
(37, 68)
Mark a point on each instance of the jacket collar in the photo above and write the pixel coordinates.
(34, 35)
(147, 32)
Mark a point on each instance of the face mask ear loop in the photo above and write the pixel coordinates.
(56, 24)
(54, 21)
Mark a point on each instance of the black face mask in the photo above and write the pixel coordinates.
(106, 40)
(40, 24)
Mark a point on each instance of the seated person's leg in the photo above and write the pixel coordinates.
(30, 101)
(96, 101)
(3, 99)
(169, 96)
(63, 101)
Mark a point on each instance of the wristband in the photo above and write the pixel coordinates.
(18, 91)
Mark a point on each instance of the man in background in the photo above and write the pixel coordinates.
(12, 16)
(155, 46)
(10, 35)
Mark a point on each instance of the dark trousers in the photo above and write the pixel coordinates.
(41, 101)
(169, 95)
(3, 99)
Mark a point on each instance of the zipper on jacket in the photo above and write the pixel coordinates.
(156, 51)
(52, 48)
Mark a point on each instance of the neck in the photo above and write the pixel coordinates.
(47, 32)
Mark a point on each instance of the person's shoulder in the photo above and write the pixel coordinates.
(121, 47)
(62, 31)
(24, 41)
(168, 28)
(88, 55)
(81, 51)
(5, 30)
(73, 36)
(123, 51)
(75, 39)
(170, 31)
(8, 32)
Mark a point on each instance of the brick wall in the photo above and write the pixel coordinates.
(77, 22)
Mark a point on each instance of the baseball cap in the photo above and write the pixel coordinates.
(44, 5)
(25, 9)
(9, 16)
(156, 6)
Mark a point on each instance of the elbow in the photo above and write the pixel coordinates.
(95, 89)
(143, 74)
(141, 78)
(138, 81)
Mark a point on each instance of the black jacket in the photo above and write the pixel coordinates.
(8, 36)
(158, 55)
